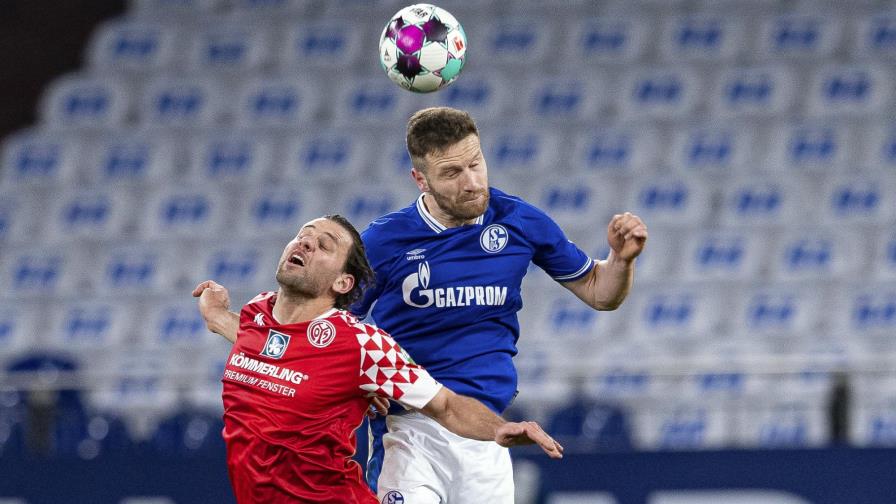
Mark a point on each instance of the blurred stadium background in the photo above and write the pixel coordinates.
(755, 360)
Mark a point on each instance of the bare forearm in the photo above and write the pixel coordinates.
(464, 416)
(227, 323)
(607, 285)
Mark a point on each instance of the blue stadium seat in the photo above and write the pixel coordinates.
(85, 102)
(610, 39)
(94, 213)
(813, 254)
(40, 157)
(665, 93)
(228, 48)
(325, 154)
(231, 156)
(799, 36)
(132, 157)
(876, 36)
(181, 102)
(90, 326)
(701, 37)
(277, 102)
(803, 147)
(713, 149)
(670, 200)
(770, 201)
(320, 46)
(277, 212)
(852, 90)
(616, 151)
(137, 268)
(133, 46)
(722, 255)
(183, 212)
(758, 91)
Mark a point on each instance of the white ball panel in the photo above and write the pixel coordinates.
(427, 82)
(433, 56)
(417, 13)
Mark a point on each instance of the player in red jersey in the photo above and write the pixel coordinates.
(298, 380)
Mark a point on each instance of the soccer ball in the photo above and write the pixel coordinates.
(422, 48)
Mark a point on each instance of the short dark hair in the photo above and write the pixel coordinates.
(435, 129)
(356, 265)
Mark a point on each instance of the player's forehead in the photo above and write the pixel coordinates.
(325, 226)
(465, 149)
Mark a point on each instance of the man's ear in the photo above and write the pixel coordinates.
(420, 179)
(344, 284)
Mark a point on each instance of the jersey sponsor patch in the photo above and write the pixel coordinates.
(494, 238)
(416, 292)
(276, 345)
(321, 333)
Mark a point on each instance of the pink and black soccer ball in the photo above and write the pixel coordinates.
(422, 48)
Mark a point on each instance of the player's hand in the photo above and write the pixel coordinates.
(214, 301)
(378, 406)
(627, 235)
(525, 433)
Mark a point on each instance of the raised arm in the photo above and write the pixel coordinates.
(214, 306)
(470, 418)
(606, 286)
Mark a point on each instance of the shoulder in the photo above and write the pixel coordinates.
(383, 228)
(505, 204)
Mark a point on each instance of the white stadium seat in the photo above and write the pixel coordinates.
(48, 272)
(181, 102)
(102, 214)
(511, 41)
(276, 102)
(666, 93)
(722, 255)
(654, 264)
(684, 312)
(858, 199)
(701, 37)
(131, 157)
(712, 148)
(228, 47)
(574, 200)
(674, 425)
(666, 200)
(611, 39)
(802, 422)
(770, 201)
(231, 156)
(482, 94)
(872, 419)
(884, 262)
(40, 157)
(866, 311)
(371, 100)
(623, 150)
(774, 310)
(876, 36)
(808, 146)
(138, 46)
(242, 265)
(320, 46)
(880, 150)
(20, 220)
(88, 326)
(183, 212)
(176, 325)
(854, 90)
(324, 154)
(85, 102)
(756, 91)
(277, 211)
(814, 255)
(799, 36)
(17, 329)
(142, 268)
(564, 99)
(520, 151)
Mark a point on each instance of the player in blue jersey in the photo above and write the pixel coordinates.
(448, 274)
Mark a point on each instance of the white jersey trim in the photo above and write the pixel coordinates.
(432, 222)
(584, 269)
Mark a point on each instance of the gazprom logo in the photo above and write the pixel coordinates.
(418, 280)
(416, 292)
(276, 345)
(493, 238)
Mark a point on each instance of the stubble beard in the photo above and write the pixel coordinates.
(460, 211)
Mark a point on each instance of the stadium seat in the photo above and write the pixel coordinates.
(872, 420)
(876, 36)
(850, 90)
(776, 310)
(276, 102)
(324, 155)
(670, 200)
(94, 213)
(371, 101)
(880, 150)
(228, 48)
(610, 39)
(797, 423)
(814, 255)
(722, 255)
(183, 212)
(776, 200)
(480, 93)
(361, 205)
(857, 199)
(884, 262)
(564, 99)
(512, 41)
(276, 212)
(20, 220)
(712, 149)
(674, 313)
(47, 272)
(804, 36)
(181, 102)
(810, 146)
(176, 325)
(701, 37)
(137, 268)
(40, 157)
(520, 153)
(239, 265)
(85, 102)
(664, 93)
(654, 264)
(624, 150)
(757, 91)
(132, 157)
(677, 426)
(320, 47)
(867, 311)
(17, 329)
(231, 156)
(133, 46)
(573, 199)
(91, 326)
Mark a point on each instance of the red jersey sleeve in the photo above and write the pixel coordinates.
(387, 371)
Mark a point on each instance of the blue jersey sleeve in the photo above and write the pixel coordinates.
(560, 258)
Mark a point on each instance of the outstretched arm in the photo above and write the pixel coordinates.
(606, 286)
(214, 306)
(470, 418)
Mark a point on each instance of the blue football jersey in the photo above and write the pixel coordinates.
(449, 296)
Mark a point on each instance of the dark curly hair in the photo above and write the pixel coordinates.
(434, 129)
(356, 265)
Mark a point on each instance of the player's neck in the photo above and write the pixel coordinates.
(444, 218)
(293, 309)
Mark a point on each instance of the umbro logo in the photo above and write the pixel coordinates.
(416, 254)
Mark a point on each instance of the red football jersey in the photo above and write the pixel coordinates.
(294, 395)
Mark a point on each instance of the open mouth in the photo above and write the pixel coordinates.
(297, 260)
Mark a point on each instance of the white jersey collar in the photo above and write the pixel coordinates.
(432, 222)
